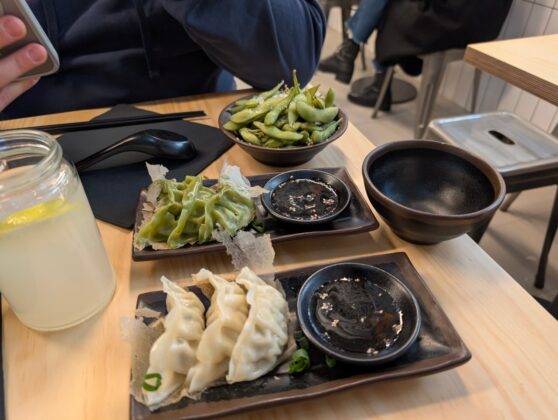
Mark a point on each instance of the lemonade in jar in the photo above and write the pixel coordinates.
(54, 269)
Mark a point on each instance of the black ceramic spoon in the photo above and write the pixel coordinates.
(159, 143)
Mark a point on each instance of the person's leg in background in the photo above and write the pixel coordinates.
(368, 95)
(359, 26)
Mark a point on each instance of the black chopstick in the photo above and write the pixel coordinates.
(116, 122)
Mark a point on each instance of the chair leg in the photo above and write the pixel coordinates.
(475, 92)
(554, 307)
(345, 15)
(432, 72)
(383, 90)
(363, 56)
(549, 238)
(509, 201)
(326, 7)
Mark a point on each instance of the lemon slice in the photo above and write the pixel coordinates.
(36, 213)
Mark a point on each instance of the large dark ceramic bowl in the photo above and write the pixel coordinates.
(393, 296)
(285, 156)
(429, 192)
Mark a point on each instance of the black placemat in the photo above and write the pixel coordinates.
(113, 185)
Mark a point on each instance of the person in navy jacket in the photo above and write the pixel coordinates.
(126, 51)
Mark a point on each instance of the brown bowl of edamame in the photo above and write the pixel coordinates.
(284, 126)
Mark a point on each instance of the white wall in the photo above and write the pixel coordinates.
(526, 18)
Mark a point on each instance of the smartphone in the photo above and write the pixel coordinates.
(35, 33)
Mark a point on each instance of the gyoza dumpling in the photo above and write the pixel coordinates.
(174, 352)
(225, 318)
(265, 333)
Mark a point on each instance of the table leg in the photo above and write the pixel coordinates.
(549, 238)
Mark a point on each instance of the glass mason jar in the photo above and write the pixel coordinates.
(54, 270)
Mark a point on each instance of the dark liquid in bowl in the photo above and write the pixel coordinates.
(304, 199)
(357, 316)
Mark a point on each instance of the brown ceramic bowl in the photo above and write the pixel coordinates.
(428, 191)
(281, 157)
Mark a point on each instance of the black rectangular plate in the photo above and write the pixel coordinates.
(437, 348)
(356, 218)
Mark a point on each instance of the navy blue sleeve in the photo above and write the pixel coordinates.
(259, 41)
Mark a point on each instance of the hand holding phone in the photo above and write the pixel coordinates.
(22, 57)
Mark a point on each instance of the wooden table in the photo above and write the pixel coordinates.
(528, 63)
(83, 372)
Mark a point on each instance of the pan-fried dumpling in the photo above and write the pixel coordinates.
(174, 352)
(187, 212)
(225, 318)
(265, 333)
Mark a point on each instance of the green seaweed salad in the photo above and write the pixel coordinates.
(178, 213)
(289, 117)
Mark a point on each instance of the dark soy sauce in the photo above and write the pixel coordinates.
(357, 316)
(304, 199)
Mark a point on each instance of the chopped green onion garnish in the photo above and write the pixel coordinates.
(300, 361)
(330, 361)
(258, 226)
(150, 387)
(301, 340)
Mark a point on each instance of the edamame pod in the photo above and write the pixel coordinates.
(272, 92)
(308, 126)
(249, 137)
(298, 97)
(251, 114)
(273, 143)
(306, 137)
(296, 85)
(310, 93)
(277, 133)
(318, 103)
(259, 134)
(251, 103)
(272, 115)
(311, 114)
(320, 136)
(236, 108)
(229, 125)
(281, 121)
(292, 115)
(329, 98)
(258, 99)
(291, 127)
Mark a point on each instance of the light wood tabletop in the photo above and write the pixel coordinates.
(83, 372)
(528, 63)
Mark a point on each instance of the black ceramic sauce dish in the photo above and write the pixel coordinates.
(428, 191)
(290, 192)
(358, 313)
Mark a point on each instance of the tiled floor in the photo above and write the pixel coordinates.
(514, 239)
